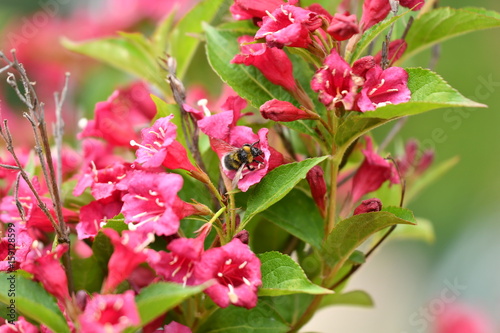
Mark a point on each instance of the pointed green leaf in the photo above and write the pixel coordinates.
(276, 184)
(443, 23)
(125, 54)
(372, 33)
(283, 276)
(158, 298)
(428, 92)
(90, 274)
(247, 81)
(31, 301)
(261, 319)
(350, 233)
(352, 298)
(297, 213)
(183, 40)
(402, 213)
(160, 37)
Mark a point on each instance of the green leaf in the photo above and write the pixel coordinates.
(247, 81)
(183, 42)
(102, 247)
(261, 319)
(90, 274)
(443, 23)
(276, 184)
(32, 301)
(160, 37)
(353, 298)
(283, 276)
(350, 233)
(423, 231)
(428, 92)
(297, 213)
(158, 298)
(370, 34)
(402, 213)
(125, 53)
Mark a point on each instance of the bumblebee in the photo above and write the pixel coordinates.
(240, 158)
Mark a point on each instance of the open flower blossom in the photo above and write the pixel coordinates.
(289, 25)
(14, 253)
(129, 251)
(384, 87)
(33, 214)
(148, 205)
(159, 147)
(372, 173)
(117, 119)
(272, 62)
(178, 264)
(334, 82)
(21, 325)
(110, 313)
(175, 327)
(226, 136)
(46, 267)
(461, 318)
(235, 272)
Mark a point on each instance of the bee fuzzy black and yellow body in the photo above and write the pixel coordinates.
(243, 156)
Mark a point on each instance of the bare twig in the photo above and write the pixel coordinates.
(36, 117)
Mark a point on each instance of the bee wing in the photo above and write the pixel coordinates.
(237, 176)
(221, 147)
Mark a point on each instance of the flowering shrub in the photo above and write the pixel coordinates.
(247, 211)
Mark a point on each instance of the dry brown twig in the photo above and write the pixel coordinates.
(36, 116)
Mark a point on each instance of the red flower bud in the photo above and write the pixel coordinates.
(283, 111)
(343, 26)
(362, 65)
(243, 236)
(374, 11)
(396, 49)
(316, 180)
(368, 206)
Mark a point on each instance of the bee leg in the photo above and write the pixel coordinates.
(250, 168)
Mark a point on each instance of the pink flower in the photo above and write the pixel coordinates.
(14, 253)
(372, 173)
(458, 318)
(117, 119)
(413, 4)
(235, 272)
(225, 137)
(19, 326)
(368, 206)
(343, 26)
(159, 147)
(334, 82)
(283, 111)
(414, 161)
(47, 269)
(374, 11)
(383, 87)
(148, 205)
(249, 9)
(178, 264)
(35, 218)
(110, 313)
(129, 252)
(315, 178)
(175, 327)
(289, 26)
(272, 62)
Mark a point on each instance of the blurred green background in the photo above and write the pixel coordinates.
(407, 276)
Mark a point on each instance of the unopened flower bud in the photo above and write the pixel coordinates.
(284, 111)
(243, 236)
(343, 26)
(368, 206)
(362, 65)
(315, 178)
(396, 49)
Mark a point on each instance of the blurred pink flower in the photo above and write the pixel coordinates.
(459, 318)
(343, 26)
(374, 11)
(110, 313)
(20, 325)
